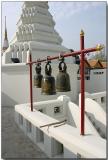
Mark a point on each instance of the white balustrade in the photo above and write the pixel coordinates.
(95, 108)
(63, 141)
(99, 97)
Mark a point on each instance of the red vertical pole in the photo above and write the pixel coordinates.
(31, 92)
(82, 83)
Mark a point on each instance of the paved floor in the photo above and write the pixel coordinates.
(14, 143)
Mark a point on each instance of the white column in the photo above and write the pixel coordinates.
(30, 34)
(14, 55)
(23, 34)
(20, 53)
(20, 34)
(28, 53)
(27, 33)
(24, 57)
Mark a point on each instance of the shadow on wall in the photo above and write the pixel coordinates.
(100, 127)
(7, 101)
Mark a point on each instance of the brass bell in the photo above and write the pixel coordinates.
(63, 79)
(48, 81)
(38, 77)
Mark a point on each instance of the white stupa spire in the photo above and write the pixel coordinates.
(35, 28)
(36, 24)
(5, 43)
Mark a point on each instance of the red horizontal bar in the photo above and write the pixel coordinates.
(65, 55)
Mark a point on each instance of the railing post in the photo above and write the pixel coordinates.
(82, 75)
(31, 92)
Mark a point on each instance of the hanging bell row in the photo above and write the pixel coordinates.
(47, 83)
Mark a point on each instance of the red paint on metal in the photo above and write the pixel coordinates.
(31, 92)
(66, 55)
(82, 86)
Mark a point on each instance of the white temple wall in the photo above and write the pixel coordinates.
(15, 84)
(99, 97)
(37, 52)
(6, 58)
(39, 36)
(46, 47)
(97, 82)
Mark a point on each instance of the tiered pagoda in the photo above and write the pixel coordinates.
(35, 31)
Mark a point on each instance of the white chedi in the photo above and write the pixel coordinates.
(35, 28)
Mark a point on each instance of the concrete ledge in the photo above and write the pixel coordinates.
(64, 137)
(14, 67)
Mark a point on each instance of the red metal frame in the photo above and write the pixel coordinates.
(82, 52)
(82, 86)
(31, 92)
(65, 55)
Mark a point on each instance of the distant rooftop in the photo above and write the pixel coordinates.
(95, 64)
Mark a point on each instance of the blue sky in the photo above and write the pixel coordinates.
(70, 18)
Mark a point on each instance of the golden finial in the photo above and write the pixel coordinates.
(99, 47)
(82, 33)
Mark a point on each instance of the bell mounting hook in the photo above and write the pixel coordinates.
(61, 57)
(47, 60)
(38, 61)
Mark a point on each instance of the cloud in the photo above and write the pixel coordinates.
(67, 9)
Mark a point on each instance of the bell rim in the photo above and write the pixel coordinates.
(63, 90)
(43, 93)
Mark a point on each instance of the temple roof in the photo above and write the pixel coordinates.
(104, 64)
(95, 64)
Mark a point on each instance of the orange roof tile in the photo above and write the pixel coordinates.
(87, 65)
(95, 64)
(104, 64)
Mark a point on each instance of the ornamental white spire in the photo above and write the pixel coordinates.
(35, 29)
(5, 43)
(36, 24)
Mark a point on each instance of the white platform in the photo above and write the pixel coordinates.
(64, 141)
